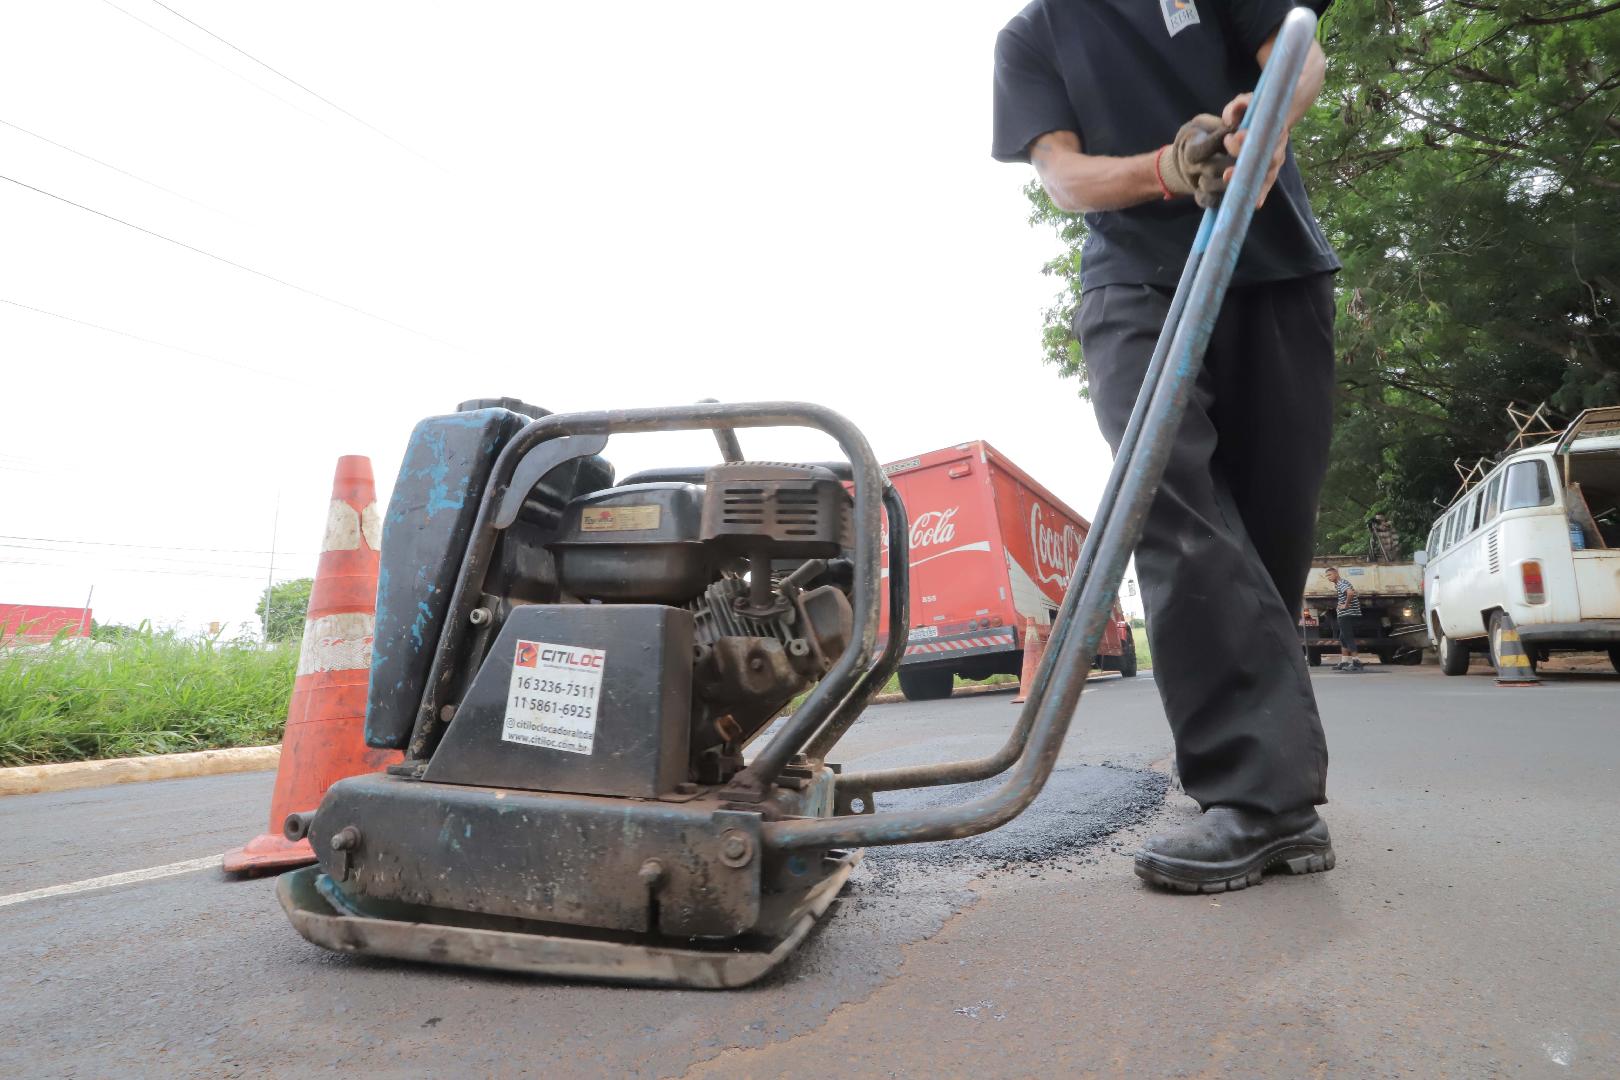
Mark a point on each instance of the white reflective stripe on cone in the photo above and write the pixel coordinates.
(342, 527)
(371, 526)
(339, 642)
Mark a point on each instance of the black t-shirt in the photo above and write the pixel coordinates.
(1125, 75)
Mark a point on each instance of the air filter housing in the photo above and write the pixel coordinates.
(793, 511)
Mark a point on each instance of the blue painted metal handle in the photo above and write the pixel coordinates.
(1134, 480)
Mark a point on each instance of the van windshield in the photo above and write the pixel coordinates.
(1527, 485)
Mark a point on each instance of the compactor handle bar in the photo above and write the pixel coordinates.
(1134, 480)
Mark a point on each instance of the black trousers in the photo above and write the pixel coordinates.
(1227, 543)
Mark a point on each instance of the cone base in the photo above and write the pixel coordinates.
(268, 854)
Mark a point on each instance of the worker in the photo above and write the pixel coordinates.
(1347, 611)
(1128, 110)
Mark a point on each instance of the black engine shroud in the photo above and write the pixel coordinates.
(748, 570)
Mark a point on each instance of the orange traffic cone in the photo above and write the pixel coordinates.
(325, 740)
(1034, 649)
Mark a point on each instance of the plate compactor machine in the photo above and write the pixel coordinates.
(574, 668)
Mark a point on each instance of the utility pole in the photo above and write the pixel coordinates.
(84, 616)
(270, 576)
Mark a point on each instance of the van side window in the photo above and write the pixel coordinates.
(1493, 497)
(1527, 485)
(1451, 529)
(1472, 513)
(1434, 541)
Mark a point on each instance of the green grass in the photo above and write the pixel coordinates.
(148, 693)
(1144, 655)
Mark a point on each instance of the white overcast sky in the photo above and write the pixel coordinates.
(600, 205)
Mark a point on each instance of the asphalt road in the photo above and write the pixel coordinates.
(1468, 931)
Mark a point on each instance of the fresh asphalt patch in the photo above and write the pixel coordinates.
(1080, 806)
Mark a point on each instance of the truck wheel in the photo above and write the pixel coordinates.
(1127, 657)
(1614, 657)
(1409, 658)
(1453, 657)
(926, 684)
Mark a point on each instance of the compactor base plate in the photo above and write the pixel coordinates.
(601, 958)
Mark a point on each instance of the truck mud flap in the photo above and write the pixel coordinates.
(723, 965)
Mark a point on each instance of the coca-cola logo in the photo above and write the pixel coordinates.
(1057, 551)
(929, 529)
(933, 528)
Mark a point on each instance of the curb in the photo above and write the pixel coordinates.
(72, 775)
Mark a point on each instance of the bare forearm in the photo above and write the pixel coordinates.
(1311, 77)
(1087, 183)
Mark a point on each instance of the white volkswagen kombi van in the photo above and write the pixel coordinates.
(1537, 539)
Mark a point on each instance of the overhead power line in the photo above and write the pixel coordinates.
(288, 78)
(150, 341)
(228, 262)
(132, 570)
(110, 165)
(211, 60)
(152, 547)
(152, 561)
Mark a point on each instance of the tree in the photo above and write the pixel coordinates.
(100, 631)
(1464, 159)
(289, 603)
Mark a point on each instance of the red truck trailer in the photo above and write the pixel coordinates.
(33, 623)
(990, 550)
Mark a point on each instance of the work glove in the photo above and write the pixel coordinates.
(1196, 162)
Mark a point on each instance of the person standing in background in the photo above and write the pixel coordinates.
(1348, 611)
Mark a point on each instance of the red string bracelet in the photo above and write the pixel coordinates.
(1158, 174)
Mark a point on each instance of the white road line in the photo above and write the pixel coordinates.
(129, 877)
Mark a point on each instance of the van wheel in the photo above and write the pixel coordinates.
(1499, 624)
(926, 684)
(1453, 657)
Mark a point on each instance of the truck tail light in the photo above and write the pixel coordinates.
(1535, 592)
(995, 620)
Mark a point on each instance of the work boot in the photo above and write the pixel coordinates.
(1226, 849)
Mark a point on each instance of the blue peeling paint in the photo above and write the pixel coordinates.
(419, 624)
(427, 459)
(447, 840)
